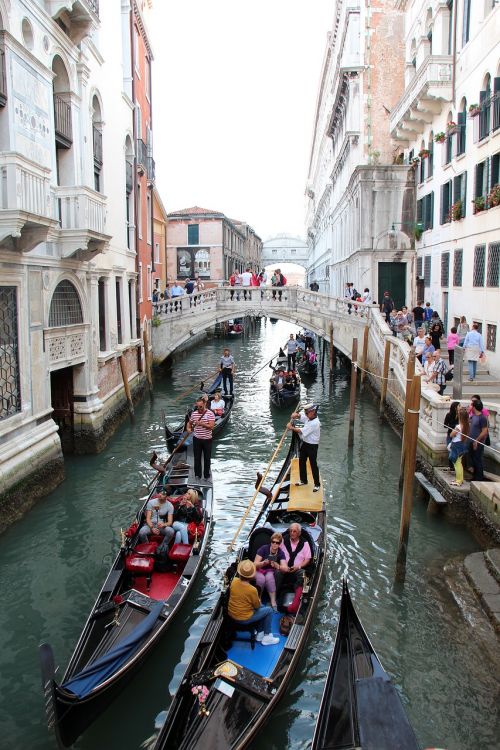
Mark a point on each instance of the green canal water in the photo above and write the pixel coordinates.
(54, 561)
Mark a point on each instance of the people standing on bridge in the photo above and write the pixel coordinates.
(478, 434)
(473, 350)
(310, 434)
(176, 293)
(291, 347)
(201, 424)
(246, 281)
(387, 306)
(314, 286)
(227, 367)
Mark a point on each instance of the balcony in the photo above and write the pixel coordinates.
(424, 98)
(62, 122)
(81, 213)
(3, 80)
(76, 17)
(145, 161)
(25, 205)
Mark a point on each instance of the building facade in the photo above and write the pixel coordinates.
(206, 243)
(68, 271)
(160, 241)
(360, 198)
(448, 122)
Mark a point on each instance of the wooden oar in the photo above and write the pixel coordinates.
(196, 387)
(181, 442)
(264, 365)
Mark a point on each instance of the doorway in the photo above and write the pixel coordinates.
(445, 311)
(392, 279)
(61, 394)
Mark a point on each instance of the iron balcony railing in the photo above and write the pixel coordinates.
(3, 80)
(145, 158)
(62, 116)
(97, 140)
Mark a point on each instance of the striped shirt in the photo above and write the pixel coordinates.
(208, 417)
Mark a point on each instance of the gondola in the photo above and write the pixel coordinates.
(173, 436)
(135, 607)
(283, 398)
(308, 369)
(360, 707)
(245, 680)
(235, 327)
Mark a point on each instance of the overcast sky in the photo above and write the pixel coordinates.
(234, 93)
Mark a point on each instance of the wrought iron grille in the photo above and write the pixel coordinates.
(10, 389)
(491, 337)
(492, 274)
(65, 307)
(479, 265)
(427, 270)
(458, 258)
(445, 269)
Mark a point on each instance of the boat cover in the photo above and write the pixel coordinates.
(92, 675)
(303, 498)
(382, 720)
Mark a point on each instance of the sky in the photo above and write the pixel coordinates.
(235, 84)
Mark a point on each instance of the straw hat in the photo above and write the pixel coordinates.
(246, 569)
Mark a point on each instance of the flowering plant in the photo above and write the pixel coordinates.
(201, 692)
(456, 210)
(439, 137)
(479, 204)
(424, 153)
(494, 196)
(451, 126)
(474, 110)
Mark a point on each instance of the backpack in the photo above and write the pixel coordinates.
(286, 623)
(283, 280)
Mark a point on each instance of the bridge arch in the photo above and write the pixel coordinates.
(285, 248)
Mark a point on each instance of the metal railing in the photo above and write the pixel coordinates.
(62, 119)
(145, 158)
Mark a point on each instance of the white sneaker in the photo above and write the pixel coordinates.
(270, 640)
(259, 636)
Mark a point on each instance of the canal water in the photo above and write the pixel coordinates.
(54, 561)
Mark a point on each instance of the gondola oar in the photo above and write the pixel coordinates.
(194, 388)
(265, 364)
(181, 442)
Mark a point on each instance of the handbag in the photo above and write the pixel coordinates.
(448, 375)
(286, 623)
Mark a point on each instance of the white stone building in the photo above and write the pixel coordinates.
(360, 199)
(67, 257)
(448, 121)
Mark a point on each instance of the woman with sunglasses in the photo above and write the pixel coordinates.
(269, 558)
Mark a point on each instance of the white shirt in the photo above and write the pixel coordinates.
(246, 278)
(217, 404)
(366, 297)
(419, 344)
(263, 279)
(310, 431)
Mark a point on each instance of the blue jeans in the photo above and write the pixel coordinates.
(181, 532)
(263, 613)
(472, 368)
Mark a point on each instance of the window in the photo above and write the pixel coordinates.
(430, 158)
(495, 170)
(492, 274)
(446, 202)
(149, 282)
(484, 116)
(102, 315)
(140, 281)
(10, 383)
(466, 23)
(118, 288)
(462, 130)
(148, 218)
(147, 74)
(138, 121)
(131, 307)
(445, 269)
(458, 257)
(139, 211)
(427, 270)
(419, 266)
(65, 307)
(448, 149)
(421, 167)
(459, 196)
(193, 234)
(496, 103)
(491, 337)
(425, 211)
(202, 263)
(157, 252)
(449, 3)
(481, 184)
(479, 265)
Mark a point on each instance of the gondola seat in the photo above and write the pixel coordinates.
(140, 565)
(258, 538)
(147, 548)
(231, 627)
(179, 552)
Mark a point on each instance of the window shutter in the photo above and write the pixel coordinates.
(419, 211)
(431, 209)
(442, 203)
(486, 177)
(463, 192)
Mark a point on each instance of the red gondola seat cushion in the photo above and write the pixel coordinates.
(139, 565)
(147, 548)
(179, 552)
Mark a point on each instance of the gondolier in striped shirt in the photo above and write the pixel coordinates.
(201, 424)
(310, 434)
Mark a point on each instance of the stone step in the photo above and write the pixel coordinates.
(492, 557)
(484, 584)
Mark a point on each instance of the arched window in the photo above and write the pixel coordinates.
(485, 104)
(63, 125)
(97, 142)
(65, 307)
(462, 127)
(496, 101)
(448, 145)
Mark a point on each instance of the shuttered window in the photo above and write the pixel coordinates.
(457, 267)
(479, 265)
(492, 275)
(427, 270)
(445, 269)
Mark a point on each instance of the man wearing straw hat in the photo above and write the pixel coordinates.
(245, 607)
(310, 434)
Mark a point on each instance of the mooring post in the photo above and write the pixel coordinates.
(411, 435)
(410, 372)
(323, 356)
(385, 376)
(126, 388)
(352, 405)
(364, 357)
(458, 373)
(147, 361)
(331, 347)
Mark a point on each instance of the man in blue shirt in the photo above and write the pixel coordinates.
(473, 349)
(175, 292)
(477, 434)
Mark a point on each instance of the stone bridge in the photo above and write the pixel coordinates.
(178, 320)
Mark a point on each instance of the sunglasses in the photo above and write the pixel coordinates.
(275, 541)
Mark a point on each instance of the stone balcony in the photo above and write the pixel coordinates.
(26, 214)
(79, 16)
(81, 215)
(423, 98)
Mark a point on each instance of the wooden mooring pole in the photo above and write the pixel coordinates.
(410, 372)
(364, 356)
(126, 388)
(458, 373)
(352, 405)
(412, 414)
(331, 347)
(323, 356)
(147, 361)
(385, 376)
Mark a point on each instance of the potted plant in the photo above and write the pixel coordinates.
(414, 161)
(494, 196)
(474, 110)
(451, 127)
(155, 321)
(440, 137)
(418, 231)
(479, 204)
(456, 210)
(424, 153)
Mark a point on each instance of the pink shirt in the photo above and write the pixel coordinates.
(453, 339)
(304, 554)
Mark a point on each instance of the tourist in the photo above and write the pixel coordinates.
(436, 331)
(218, 404)
(473, 349)
(438, 372)
(279, 380)
(246, 281)
(310, 434)
(462, 330)
(166, 292)
(199, 285)
(177, 292)
(429, 348)
(227, 368)
(452, 342)
(291, 349)
(366, 296)
(450, 422)
(476, 397)
(268, 559)
(189, 285)
(158, 520)
(201, 423)
(459, 445)
(427, 315)
(244, 604)
(478, 433)
(186, 510)
(428, 360)
(419, 344)
(314, 286)
(418, 315)
(386, 307)
(298, 556)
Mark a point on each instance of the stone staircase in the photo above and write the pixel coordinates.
(482, 570)
(485, 384)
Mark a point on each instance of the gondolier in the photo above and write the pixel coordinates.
(310, 434)
(291, 347)
(227, 370)
(201, 424)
